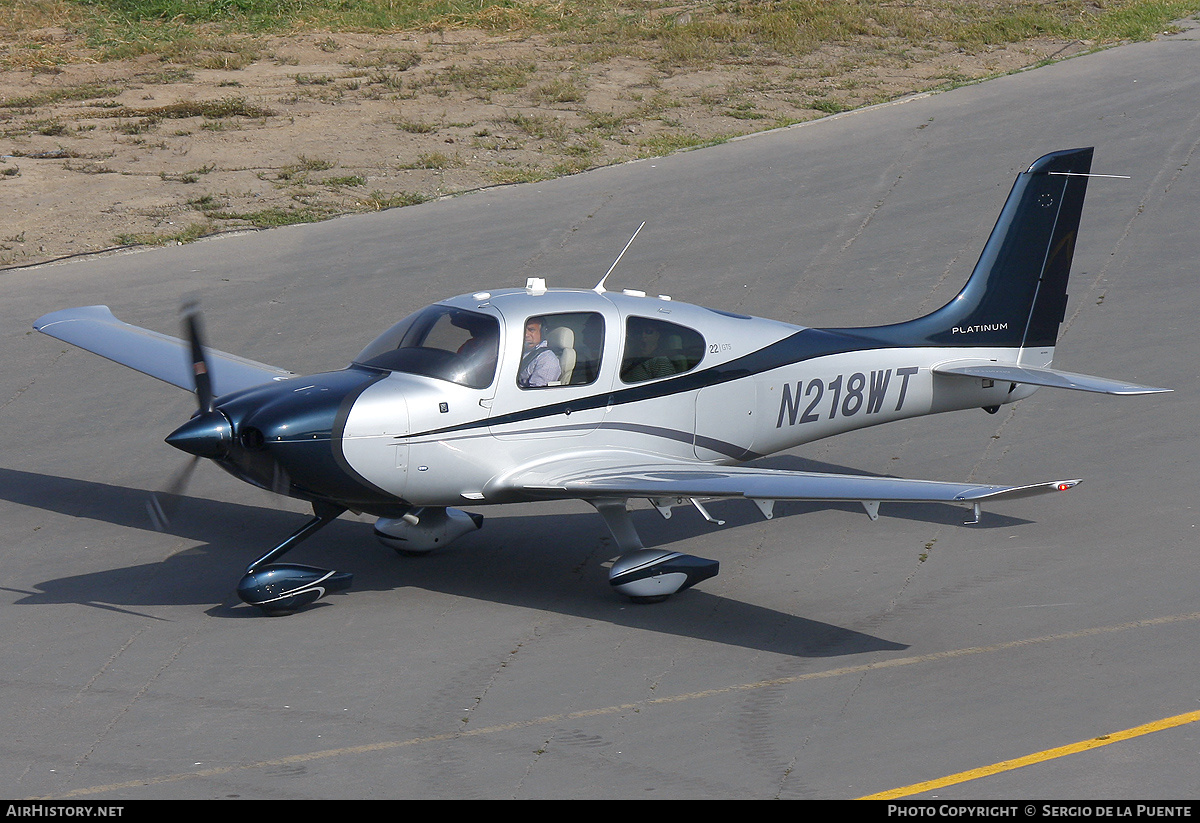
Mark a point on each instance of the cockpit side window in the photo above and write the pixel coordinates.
(561, 350)
(655, 348)
(439, 341)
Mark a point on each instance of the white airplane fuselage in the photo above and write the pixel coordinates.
(431, 442)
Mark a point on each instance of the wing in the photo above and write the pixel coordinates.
(601, 478)
(95, 329)
(1014, 373)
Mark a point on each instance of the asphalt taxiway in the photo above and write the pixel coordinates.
(834, 657)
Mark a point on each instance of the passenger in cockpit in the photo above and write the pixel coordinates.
(645, 357)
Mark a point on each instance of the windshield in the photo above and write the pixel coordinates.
(439, 341)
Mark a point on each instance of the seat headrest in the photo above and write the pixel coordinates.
(561, 338)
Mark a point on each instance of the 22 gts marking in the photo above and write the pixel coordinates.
(848, 396)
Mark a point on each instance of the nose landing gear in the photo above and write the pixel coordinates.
(282, 588)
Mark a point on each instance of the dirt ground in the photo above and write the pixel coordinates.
(102, 155)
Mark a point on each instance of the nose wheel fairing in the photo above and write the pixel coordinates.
(282, 588)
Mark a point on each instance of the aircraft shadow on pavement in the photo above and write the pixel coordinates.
(554, 562)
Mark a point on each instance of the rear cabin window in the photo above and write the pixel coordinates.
(561, 350)
(655, 348)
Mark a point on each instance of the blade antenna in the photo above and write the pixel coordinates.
(599, 289)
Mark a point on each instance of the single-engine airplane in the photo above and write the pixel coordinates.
(534, 393)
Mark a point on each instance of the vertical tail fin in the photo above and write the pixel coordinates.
(1017, 294)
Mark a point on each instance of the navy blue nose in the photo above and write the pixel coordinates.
(286, 437)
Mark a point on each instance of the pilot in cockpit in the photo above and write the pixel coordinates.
(539, 365)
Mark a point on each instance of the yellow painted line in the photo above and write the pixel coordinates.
(624, 707)
(1039, 757)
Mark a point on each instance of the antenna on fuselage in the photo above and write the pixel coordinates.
(599, 289)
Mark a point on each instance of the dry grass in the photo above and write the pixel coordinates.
(193, 118)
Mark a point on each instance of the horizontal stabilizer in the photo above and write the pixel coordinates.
(1034, 376)
(95, 329)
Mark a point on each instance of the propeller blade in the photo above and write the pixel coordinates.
(193, 329)
(161, 511)
(280, 481)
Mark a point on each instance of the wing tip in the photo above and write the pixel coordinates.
(66, 315)
(1013, 492)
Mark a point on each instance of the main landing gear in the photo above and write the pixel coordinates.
(648, 575)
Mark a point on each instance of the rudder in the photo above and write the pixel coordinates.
(1017, 293)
